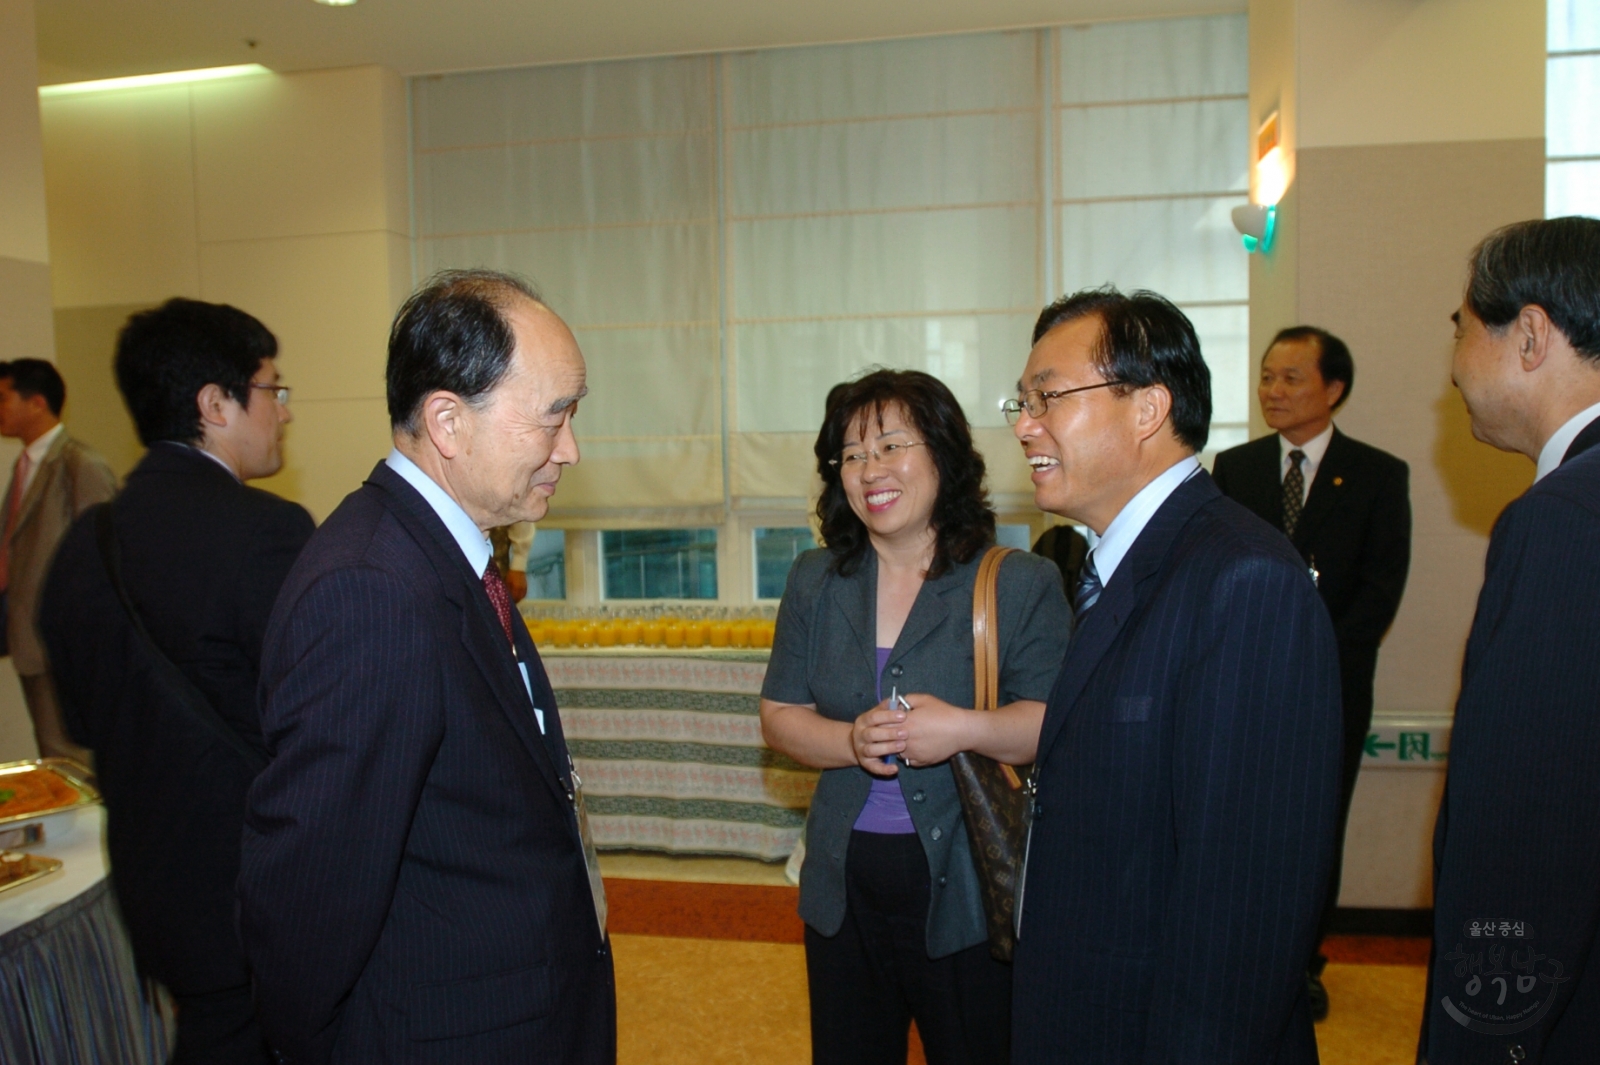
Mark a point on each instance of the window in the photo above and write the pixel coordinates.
(775, 551)
(1017, 536)
(547, 565)
(659, 563)
(1572, 110)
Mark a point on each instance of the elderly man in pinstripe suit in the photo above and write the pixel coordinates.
(418, 883)
(1188, 766)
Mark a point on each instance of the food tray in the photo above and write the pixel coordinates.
(33, 866)
(43, 786)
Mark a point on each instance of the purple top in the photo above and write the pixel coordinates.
(885, 811)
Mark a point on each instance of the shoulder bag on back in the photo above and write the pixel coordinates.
(183, 697)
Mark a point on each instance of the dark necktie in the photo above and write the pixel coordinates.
(499, 595)
(1294, 491)
(1089, 588)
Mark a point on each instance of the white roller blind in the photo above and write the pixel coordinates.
(598, 182)
(903, 203)
(1572, 109)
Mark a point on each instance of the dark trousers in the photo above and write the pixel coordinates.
(219, 1028)
(1356, 667)
(874, 977)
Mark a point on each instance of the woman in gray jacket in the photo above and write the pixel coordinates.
(895, 928)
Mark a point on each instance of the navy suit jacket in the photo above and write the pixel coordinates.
(413, 885)
(1517, 842)
(1188, 786)
(1356, 527)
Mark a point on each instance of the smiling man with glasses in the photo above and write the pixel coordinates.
(1187, 768)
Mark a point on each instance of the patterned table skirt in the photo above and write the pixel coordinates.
(69, 994)
(670, 752)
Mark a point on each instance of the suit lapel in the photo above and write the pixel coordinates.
(1588, 438)
(1128, 587)
(857, 600)
(480, 626)
(41, 478)
(930, 610)
(1332, 478)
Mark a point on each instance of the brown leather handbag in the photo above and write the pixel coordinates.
(993, 797)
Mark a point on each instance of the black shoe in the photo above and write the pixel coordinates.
(1318, 996)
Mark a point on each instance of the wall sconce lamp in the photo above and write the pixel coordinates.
(1257, 222)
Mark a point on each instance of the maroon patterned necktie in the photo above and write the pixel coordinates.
(499, 595)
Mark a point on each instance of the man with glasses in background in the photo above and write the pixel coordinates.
(173, 721)
(1187, 771)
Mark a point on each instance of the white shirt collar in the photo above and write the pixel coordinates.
(1125, 528)
(474, 544)
(1314, 449)
(214, 458)
(41, 447)
(1555, 449)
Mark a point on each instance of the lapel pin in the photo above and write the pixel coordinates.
(1337, 481)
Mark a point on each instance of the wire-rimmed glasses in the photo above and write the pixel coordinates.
(1036, 402)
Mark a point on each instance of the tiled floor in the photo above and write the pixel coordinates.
(710, 970)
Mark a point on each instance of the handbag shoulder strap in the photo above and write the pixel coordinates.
(986, 639)
(198, 706)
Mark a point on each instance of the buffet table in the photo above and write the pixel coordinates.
(69, 992)
(668, 744)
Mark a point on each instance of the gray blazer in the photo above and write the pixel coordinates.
(823, 653)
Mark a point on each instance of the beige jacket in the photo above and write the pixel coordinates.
(71, 479)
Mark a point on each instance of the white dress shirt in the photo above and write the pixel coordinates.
(36, 453)
(1314, 449)
(1555, 449)
(473, 543)
(1130, 521)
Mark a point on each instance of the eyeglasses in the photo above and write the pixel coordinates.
(1036, 402)
(279, 392)
(857, 459)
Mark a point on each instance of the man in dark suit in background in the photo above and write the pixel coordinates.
(418, 880)
(202, 558)
(1188, 767)
(1515, 975)
(1346, 507)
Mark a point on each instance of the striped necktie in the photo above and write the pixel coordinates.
(1294, 492)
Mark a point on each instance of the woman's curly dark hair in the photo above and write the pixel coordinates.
(962, 517)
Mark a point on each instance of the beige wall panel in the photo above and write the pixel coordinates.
(25, 324)
(1388, 849)
(1274, 293)
(86, 340)
(616, 476)
(327, 299)
(22, 215)
(330, 448)
(295, 155)
(119, 169)
(1384, 233)
(395, 115)
(1422, 71)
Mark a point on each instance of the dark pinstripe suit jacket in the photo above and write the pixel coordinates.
(413, 886)
(1518, 835)
(1187, 792)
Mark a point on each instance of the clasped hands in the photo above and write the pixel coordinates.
(929, 733)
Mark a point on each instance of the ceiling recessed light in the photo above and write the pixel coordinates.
(336, 3)
(144, 81)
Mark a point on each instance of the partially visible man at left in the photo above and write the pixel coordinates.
(55, 479)
(162, 683)
(418, 882)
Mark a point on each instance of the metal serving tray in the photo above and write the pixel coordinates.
(64, 769)
(34, 867)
